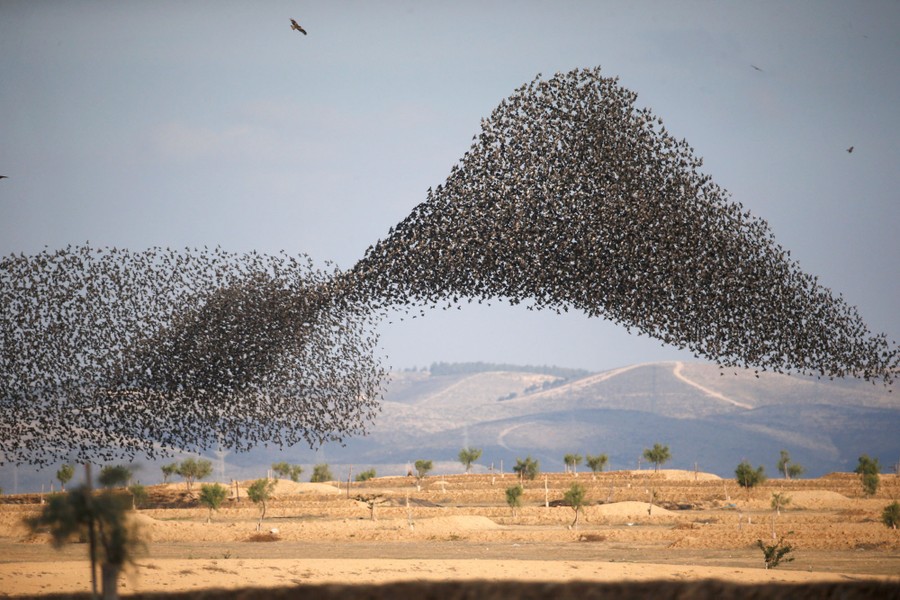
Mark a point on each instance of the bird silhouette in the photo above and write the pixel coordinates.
(850, 150)
(296, 25)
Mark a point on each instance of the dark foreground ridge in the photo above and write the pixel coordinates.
(708, 589)
(570, 199)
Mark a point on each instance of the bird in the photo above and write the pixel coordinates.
(850, 150)
(757, 68)
(3, 177)
(296, 25)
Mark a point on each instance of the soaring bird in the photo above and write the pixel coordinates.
(296, 25)
(3, 177)
(850, 150)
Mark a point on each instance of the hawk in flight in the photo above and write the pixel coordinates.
(296, 25)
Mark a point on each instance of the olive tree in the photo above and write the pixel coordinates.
(597, 463)
(748, 477)
(192, 470)
(790, 469)
(467, 456)
(259, 492)
(65, 474)
(575, 497)
(114, 476)
(514, 497)
(868, 470)
(321, 474)
(527, 468)
(101, 518)
(658, 455)
(287, 471)
(572, 461)
(212, 496)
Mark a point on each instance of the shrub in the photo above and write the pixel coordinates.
(365, 475)
(527, 468)
(891, 515)
(321, 474)
(776, 553)
(514, 497)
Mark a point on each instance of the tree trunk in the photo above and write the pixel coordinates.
(110, 577)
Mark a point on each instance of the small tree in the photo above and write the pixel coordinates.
(79, 514)
(139, 495)
(779, 501)
(168, 471)
(192, 470)
(891, 515)
(259, 492)
(748, 477)
(791, 470)
(212, 496)
(65, 474)
(514, 497)
(572, 461)
(574, 497)
(597, 463)
(868, 470)
(776, 553)
(467, 456)
(321, 474)
(658, 455)
(365, 475)
(114, 476)
(422, 468)
(287, 471)
(527, 468)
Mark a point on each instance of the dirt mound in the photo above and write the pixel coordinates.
(631, 509)
(455, 523)
(818, 499)
(678, 475)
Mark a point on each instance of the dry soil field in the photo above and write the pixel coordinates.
(459, 528)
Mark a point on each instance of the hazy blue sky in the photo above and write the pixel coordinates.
(189, 123)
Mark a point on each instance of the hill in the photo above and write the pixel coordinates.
(711, 419)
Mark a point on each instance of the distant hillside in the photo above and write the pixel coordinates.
(709, 417)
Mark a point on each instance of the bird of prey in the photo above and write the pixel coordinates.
(850, 150)
(296, 25)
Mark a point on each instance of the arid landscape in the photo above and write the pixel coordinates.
(460, 528)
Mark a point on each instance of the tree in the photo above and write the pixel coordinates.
(287, 471)
(514, 497)
(467, 456)
(259, 492)
(212, 496)
(191, 470)
(65, 474)
(527, 468)
(776, 553)
(365, 475)
(114, 476)
(139, 495)
(791, 470)
(891, 515)
(597, 463)
(748, 477)
(779, 501)
(868, 470)
(422, 468)
(572, 461)
(658, 455)
(168, 471)
(321, 473)
(101, 517)
(574, 497)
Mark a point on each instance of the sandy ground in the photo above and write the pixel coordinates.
(459, 528)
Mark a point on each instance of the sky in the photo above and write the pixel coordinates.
(183, 124)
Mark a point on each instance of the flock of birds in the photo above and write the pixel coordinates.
(570, 198)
